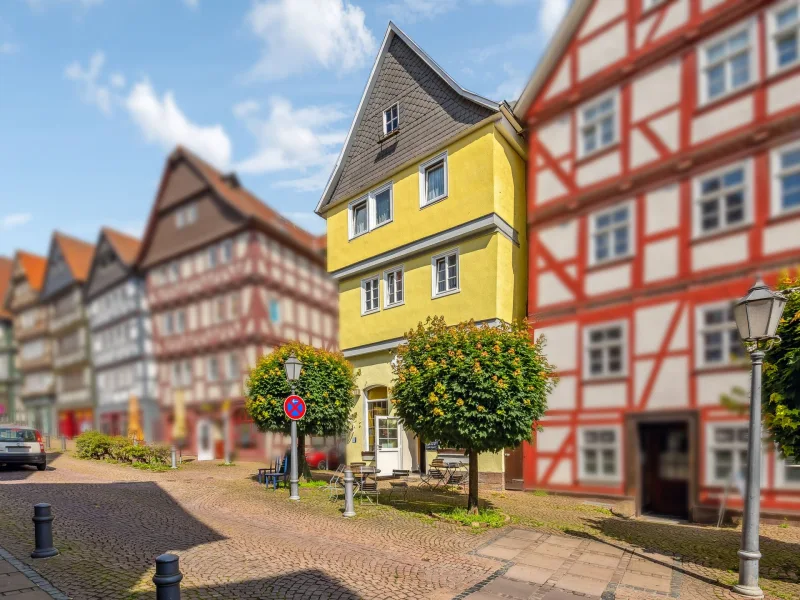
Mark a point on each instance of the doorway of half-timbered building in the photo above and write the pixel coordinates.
(513, 468)
(664, 468)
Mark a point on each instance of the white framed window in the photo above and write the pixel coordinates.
(358, 213)
(212, 256)
(226, 251)
(174, 272)
(444, 274)
(186, 215)
(391, 119)
(232, 366)
(180, 321)
(722, 199)
(187, 373)
(433, 180)
(370, 211)
(169, 324)
(726, 445)
(787, 472)
(599, 454)
(393, 287)
(380, 201)
(611, 233)
(728, 62)
(598, 123)
(783, 31)
(376, 403)
(213, 368)
(606, 350)
(370, 299)
(785, 188)
(718, 338)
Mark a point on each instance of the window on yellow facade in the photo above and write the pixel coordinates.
(377, 405)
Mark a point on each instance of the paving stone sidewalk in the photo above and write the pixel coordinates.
(19, 581)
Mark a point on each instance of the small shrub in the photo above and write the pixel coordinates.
(92, 445)
(95, 445)
(119, 449)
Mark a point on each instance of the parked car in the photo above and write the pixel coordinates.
(22, 446)
(319, 458)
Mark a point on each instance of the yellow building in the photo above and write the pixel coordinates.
(425, 216)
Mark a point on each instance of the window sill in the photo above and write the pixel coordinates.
(448, 293)
(358, 235)
(395, 305)
(777, 73)
(613, 262)
(389, 135)
(709, 105)
(599, 481)
(432, 202)
(379, 225)
(720, 233)
(600, 152)
(726, 368)
(370, 312)
(622, 378)
(784, 215)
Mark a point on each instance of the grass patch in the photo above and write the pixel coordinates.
(539, 492)
(312, 484)
(486, 517)
(226, 464)
(155, 468)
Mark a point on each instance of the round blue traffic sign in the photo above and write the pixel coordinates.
(294, 407)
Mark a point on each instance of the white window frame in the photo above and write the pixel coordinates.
(395, 270)
(226, 251)
(750, 25)
(600, 446)
(648, 4)
(423, 183)
(747, 188)
(209, 361)
(631, 224)
(232, 374)
(701, 329)
(351, 226)
(614, 95)
(712, 445)
(587, 372)
(781, 464)
(434, 288)
(385, 122)
(776, 200)
(373, 208)
(773, 34)
(368, 425)
(376, 278)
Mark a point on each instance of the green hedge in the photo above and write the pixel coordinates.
(98, 446)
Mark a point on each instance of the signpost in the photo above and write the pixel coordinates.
(295, 408)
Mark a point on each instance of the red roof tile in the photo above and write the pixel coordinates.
(34, 267)
(5, 282)
(77, 253)
(125, 246)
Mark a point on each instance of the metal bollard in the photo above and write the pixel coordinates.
(174, 452)
(168, 578)
(43, 531)
(47, 441)
(349, 507)
(63, 443)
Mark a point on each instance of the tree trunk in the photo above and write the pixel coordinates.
(302, 468)
(472, 498)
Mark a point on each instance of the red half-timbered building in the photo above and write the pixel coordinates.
(664, 174)
(227, 279)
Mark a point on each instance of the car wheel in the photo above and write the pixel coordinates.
(322, 465)
(41, 467)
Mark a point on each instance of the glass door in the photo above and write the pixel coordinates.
(388, 453)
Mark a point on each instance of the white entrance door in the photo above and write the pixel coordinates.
(388, 450)
(205, 440)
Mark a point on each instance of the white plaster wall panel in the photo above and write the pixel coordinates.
(564, 394)
(651, 324)
(607, 280)
(643, 29)
(556, 135)
(709, 4)
(562, 473)
(562, 345)
(642, 151)
(550, 439)
(661, 260)
(601, 13)
(711, 386)
(680, 339)
(542, 465)
(662, 209)
(667, 128)
(566, 165)
(783, 236)
(603, 50)
(656, 90)
(783, 94)
(726, 117)
(671, 387)
(676, 15)
(604, 167)
(247, 296)
(193, 320)
(572, 271)
(641, 373)
(604, 395)
(548, 186)
(198, 393)
(241, 245)
(550, 290)
(717, 253)
(561, 80)
(561, 239)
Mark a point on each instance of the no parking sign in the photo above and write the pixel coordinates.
(294, 407)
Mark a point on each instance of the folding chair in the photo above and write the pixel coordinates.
(436, 474)
(336, 484)
(368, 487)
(401, 487)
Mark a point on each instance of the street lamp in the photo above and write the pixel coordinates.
(292, 366)
(757, 316)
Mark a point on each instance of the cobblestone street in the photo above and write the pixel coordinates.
(236, 540)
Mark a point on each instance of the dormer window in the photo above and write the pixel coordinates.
(186, 215)
(391, 119)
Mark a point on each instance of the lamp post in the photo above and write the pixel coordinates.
(757, 316)
(292, 367)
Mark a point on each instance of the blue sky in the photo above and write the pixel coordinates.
(95, 93)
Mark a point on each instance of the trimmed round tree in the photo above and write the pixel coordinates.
(327, 384)
(480, 388)
(781, 379)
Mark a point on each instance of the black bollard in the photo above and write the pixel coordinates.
(43, 531)
(168, 578)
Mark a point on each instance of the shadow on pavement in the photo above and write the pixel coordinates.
(21, 472)
(309, 584)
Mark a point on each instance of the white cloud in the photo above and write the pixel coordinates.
(162, 121)
(117, 80)
(550, 14)
(511, 87)
(515, 43)
(245, 108)
(9, 48)
(193, 4)
(313, 33)
(14, 220)
(293, 138)
(93, 91)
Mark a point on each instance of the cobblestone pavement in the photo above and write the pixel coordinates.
(23, 583)
(236, 540)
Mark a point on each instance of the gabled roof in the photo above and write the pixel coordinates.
(229, 190)
(555, 50)
(34, 267)
(391, 31)
(126, 246)
(77, 254)
(6, 266)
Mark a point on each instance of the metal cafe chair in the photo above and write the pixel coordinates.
(401, 486)
(368, 486)
(436, 474)
(336, 484)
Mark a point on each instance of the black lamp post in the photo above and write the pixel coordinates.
(292, 366)
(757, 316)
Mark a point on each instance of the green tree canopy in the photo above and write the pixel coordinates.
(326, 383)
(781, 380)
(480, 388)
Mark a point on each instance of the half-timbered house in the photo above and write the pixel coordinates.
(664, 173)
